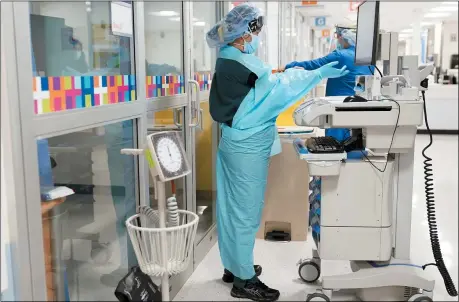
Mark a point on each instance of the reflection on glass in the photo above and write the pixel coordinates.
(204, 57)
(7, 262)
(163, 49)
(82, 54)
(87, 250)
(262, 51)
(288, 34)
(163, 38)
(82, 38)
(204, 18)
(206, 192)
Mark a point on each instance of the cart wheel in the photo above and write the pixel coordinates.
(317, 297)
(309, 271)
(420, 298)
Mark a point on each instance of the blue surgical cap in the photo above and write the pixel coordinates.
(348, 36)
(234, 25)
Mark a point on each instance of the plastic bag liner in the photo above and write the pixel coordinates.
(137, 286)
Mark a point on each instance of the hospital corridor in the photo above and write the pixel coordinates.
(229, 151)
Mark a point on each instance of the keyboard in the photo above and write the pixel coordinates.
(324, 144)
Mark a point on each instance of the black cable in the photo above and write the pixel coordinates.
(379, 71)
(431, 217)
(373, 73)
(391, 141)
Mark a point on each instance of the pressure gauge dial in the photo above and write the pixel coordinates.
(169, 154)
(168, 157)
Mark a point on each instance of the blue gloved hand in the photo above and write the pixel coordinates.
(327, 71)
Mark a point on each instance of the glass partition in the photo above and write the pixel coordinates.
(262, 51)
(88, 190)
(204, 17)
(206, 187)
(164, 48)
(164, 120)
(7, 262)
(203, 63)
(82, 54)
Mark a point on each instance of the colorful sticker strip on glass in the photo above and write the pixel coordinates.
(204, 79)
(53, 94)
(158, 86)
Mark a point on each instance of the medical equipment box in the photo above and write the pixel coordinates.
(354, 218)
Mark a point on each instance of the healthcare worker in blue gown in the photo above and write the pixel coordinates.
(246, 99)
(343, 86)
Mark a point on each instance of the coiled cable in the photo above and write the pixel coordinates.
(431, 215)
(172, 211)
(172, 207)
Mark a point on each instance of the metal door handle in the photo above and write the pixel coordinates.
(176, 114)
(201, 122)
(196, 108)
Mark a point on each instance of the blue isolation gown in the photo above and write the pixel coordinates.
(243, 156)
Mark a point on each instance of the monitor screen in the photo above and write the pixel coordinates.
(367, 33)
(454, 62)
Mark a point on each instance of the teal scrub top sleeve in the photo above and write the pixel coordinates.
(317, 63)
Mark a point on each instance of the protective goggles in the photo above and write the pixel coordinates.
(256, 25)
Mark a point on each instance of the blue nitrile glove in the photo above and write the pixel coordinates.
(327, 71)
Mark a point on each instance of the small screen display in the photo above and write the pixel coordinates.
(366, 29)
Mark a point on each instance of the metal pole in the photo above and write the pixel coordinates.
(404, 203)
(163, 239)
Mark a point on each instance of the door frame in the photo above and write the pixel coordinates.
(28, 251)
(175, 102)
(203, 246)
(26, 127)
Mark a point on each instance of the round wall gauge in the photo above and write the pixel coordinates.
(168, 155)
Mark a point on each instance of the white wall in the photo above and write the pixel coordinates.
(272, 29)
(437, 39)
(164, 49)
(401, 48)
(449, 47)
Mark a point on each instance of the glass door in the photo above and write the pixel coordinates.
(168, 93)
(84, 79)
(78, 104)
(86, 246)
(205, 135)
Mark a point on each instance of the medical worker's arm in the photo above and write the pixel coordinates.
(314, 64)
(276, 92)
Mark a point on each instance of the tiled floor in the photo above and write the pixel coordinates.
(279, 259)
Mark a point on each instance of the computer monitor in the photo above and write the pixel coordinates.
(367, 33)
(454, 62)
